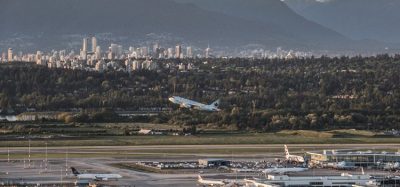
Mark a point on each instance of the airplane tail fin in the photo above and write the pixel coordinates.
(216, 103)
(200, 178)
(74, 171)
(286, 151)
(362, 171)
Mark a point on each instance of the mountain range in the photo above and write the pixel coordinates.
(48, 24)
(357, 19)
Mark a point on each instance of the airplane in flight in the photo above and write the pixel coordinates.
(190, 104)
(96, 177)
(293, 158)
(284, 170)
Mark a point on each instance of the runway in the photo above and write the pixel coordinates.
(100, 159)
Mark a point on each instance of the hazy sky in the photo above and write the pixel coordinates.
(322, 1)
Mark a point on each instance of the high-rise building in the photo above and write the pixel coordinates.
(114, 49)
(10, 55)
(189, 52)
(38, 58)
(170, 53)
(120, 51)
(97, 53)
(3, 57)
(156, 47)
(110, 54)
(94, 44)
(85, 45)
(128, 65)
(83, 55)
(207, 52)
(178, 51)
(156, 50)
(144, 51)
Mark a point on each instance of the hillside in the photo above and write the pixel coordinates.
(358, 19)
(273, 13)
(47, 24)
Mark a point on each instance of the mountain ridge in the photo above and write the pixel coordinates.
(49, 23)
(358, 19)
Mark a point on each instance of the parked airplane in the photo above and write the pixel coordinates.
(97, 177)
(293, 158)
(187, 103)
(203, 182)
(390, 166)
(257, 184)
(344, 165)
(283, 170)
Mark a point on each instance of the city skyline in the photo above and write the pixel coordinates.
(236, 27)
(95, 58)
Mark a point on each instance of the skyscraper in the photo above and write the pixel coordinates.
(10, 55)
(85, 44)
(189, 52)
(98, 53)
(156, 47)
(207, 52)
(170, 53)
(94, 44)
(120, 51)
(38, 57)
(3, 57)
(156, 50)
(178, 51)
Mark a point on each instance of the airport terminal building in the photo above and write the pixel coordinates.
(359, 158)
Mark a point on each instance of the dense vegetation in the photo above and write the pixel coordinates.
(314, 93)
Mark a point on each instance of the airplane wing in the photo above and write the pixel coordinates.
(190, 105)
(186, 105)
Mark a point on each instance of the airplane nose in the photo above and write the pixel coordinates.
(171, 99)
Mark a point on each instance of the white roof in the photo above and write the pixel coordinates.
(144, 131)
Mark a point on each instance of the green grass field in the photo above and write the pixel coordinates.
(284, 137)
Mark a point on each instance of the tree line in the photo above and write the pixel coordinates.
(264, 94)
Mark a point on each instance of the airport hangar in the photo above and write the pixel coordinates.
(359, 158)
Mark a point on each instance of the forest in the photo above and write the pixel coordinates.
(263, 94)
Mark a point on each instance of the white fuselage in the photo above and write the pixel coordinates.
(103, 177)
(292, 158)
(257, 184)
(295, 158)
(187, 103)
(211, 182)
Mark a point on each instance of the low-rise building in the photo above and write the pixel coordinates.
(213, 162)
